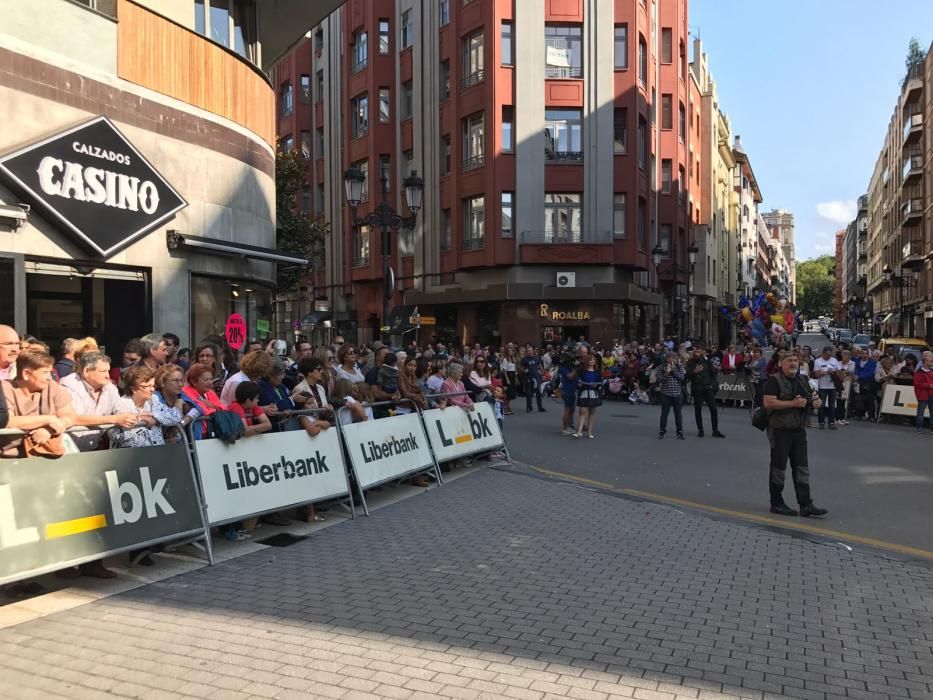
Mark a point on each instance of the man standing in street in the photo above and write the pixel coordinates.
(671, 386)
(865, 368)
(702, 376)
(531, 366)
(568, 392)
(824, 371)
(787, 398)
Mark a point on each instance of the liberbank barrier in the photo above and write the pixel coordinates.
(455, 433)
(734, 387)
(57, 513)
(898, 400)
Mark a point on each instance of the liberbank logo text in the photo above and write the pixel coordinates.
(244, 475)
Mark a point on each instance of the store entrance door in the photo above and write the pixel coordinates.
(558, 335)
(108, 304)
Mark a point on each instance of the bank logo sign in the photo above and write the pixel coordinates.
(456, 433)
(93, 181)
(87, 505)
(387, 448)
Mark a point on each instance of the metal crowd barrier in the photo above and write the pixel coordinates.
(505, 448)
(119, 506)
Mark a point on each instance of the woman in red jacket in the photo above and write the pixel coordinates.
(923, 388)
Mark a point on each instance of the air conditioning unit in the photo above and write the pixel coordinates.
(566, 279)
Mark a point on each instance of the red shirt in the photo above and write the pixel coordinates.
(248, 418)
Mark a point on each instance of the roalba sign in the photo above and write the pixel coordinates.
(95, 183)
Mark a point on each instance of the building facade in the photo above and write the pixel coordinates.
(555, 159)
(900, 216)
(137, 167)
(780, 223)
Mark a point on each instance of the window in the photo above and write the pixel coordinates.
(385, 112)
(445, 230)
(319, 198)
(363, 166)
(287, 144)
(682, 123)
(305, 88)
(444, 80)
(563, 51)
(319, 142)
(563, 132)
(383, 36)
(683, 62)
(286, 99)
(306, 199)
(506, 40)
(667, 55)
(507, 129)
(642, 143)
(505, 227)
(385, 168)
(562, 218)
(618, 215)
(620, 130)
(405, 108)
(408, 29)
(473, 142)
(319, 80)
(473, 59)
(642, 60)
(643, 223)
(306, 145)
(361, 245)
(666, 174)
(359, 116)
(664, 239)
(359, 51)
(681, 184)
(473, 222)
(621, 47)
(667, 112)
(445, 155)
(444, 13)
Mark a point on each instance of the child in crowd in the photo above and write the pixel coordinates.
(246, 406)
(388, 374)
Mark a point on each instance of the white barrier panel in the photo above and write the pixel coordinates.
(269, 472)
(455, 432)
(899, 400)
(387, 448)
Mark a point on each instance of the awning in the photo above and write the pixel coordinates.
(215, 246)
(400, 319)
(315, 318)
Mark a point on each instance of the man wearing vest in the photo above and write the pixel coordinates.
(787, 398)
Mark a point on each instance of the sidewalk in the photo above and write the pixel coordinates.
(502, 585)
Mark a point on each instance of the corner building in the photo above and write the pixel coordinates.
(552, 137)
(137, 165)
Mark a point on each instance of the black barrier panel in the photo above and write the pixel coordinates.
(734, 387)
(57, 512)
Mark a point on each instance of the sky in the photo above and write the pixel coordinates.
(810, 86)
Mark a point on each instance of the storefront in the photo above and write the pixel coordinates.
(131, 202)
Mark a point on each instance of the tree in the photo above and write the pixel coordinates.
(816, 286)
(296, 232)
(915, 56)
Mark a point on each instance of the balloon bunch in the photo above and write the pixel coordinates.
(765, 318)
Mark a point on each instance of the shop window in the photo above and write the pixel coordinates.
(214, 299)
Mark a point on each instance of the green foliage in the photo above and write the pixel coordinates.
(816, 286)
(915, 55)
(296, 232)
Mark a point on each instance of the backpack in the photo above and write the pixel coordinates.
(227, 426)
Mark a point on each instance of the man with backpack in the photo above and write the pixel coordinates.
(787, 400)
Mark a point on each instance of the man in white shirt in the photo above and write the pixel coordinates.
(95, 399)
(824, 368)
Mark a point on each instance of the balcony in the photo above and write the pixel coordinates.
(473, 243)
(563, 156)
(563, 72)
(912, 254)
(358, 66)
(913, 170)
(474, 162)
(913, 129)
(474, 78)
(912, 209)
(913, 84)
(566, 246)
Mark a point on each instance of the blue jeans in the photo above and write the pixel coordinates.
(828, 409)
(667, 402)
(921, 407)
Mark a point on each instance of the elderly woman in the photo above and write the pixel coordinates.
(255, 366)
(136, 397)
(167, 406)
(454, 385)
(274, 397)
(199, 395)
(209, 354)
(348, 368)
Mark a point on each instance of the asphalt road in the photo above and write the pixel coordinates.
(876, 480)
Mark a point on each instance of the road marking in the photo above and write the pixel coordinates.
(752, 517)
(73, 527)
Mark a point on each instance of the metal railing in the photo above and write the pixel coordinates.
(563, 72)
(565, 156)
(474, 78)
(565, 237)
(474, 243)
(358, 66)
(474, 162)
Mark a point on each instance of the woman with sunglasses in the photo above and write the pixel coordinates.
(481, 379)
(348, 368)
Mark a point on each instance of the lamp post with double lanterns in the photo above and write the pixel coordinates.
(903, 281)
(656, 254)
(679, 290)
(386, 218)
(692, 257)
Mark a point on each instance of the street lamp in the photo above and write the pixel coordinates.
(692, 252)
(902, 281)
(656, 254)
(385, 218)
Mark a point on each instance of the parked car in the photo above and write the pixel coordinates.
(844, 337)
(897, 346)
(860, 341)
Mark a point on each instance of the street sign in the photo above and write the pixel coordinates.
(428, 320)
(235, 331)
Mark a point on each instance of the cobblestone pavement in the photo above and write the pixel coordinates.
(503, 585)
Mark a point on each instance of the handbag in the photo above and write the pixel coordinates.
(760, 418)
(53, 448)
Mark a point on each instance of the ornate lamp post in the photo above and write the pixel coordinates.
(900, 279)
(692, 257)
(656, 254)
(386, 219)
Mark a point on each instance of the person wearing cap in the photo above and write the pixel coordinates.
(788, 399)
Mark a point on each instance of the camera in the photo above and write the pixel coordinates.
(567, 359)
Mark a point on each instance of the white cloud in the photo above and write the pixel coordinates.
(838, 211)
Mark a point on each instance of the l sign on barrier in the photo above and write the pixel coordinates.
(269, 472)
(455, 432)
(899, 400)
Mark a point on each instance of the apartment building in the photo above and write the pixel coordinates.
(754, 260)
(855, 269)
(553, 140)
(780, 223)
(900, 216)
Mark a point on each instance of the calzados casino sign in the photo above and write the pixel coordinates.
(95, 183)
